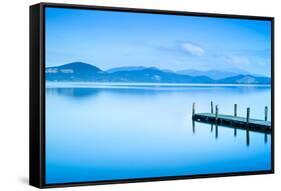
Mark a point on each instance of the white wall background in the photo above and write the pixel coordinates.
(14, 51)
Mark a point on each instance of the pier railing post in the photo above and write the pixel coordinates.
(265, 113)
(217, 112)
(235, 110)
(193, 109)
(248, 115)
(212, 107)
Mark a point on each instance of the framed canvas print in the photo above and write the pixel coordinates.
(126, 95)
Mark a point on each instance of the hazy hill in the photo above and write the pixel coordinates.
(75, 71)
(246, 79)
(129, 68)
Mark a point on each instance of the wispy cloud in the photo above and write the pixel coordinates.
(192, 48)
(238, 60)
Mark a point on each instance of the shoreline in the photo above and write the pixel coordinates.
(154, 85)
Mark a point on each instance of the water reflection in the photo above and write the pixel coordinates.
(217, 131)
(247, 137)
(217, 127)
(73, 92)
(157, 124)
(80, 92)
(193, 126)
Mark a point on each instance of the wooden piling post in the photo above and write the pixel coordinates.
(248, 115)
(193, 108)
(265, 113)
(212, 107)
(217, 112)
(235, 110)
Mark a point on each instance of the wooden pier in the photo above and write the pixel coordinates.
(234, 121)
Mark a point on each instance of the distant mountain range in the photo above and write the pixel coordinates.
(83, 72)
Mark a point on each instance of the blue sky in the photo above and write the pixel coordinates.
(114, 39)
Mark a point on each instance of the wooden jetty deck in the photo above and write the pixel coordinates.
(239, 122)
(263, 126)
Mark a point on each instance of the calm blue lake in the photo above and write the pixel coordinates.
(108, 132)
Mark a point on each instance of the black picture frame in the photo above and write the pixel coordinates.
(37, 93)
